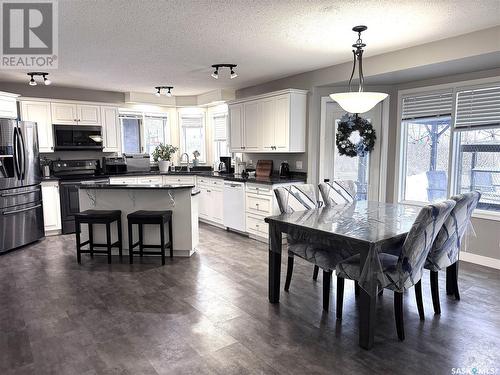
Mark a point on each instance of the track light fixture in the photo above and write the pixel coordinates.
(215, 74)
(32, 81)
(168, 88)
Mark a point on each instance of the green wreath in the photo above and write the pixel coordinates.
(348, 124)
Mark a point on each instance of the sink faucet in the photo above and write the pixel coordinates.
(182, 158)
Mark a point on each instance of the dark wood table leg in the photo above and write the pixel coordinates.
(367, 310)
(274, 263)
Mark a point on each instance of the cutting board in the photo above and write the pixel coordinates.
(264, 168)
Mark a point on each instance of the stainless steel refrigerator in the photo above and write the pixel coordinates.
(21, 211)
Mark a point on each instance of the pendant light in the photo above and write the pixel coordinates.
(358, 101)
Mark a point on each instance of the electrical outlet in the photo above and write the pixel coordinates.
(298, 164)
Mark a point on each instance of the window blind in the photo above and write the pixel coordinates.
(192, 121)
(427, 105)
(220, 128)
(479, 107)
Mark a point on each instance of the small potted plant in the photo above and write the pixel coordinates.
(196, 154)
(163, 154)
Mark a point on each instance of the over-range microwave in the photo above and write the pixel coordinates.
(77, 137)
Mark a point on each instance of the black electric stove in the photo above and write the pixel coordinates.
(71, 174)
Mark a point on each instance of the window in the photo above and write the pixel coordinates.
(478, 144)
(193, 135)
(220, 137)
(142, 133)
(426, 131)
(431, 134)
(156, 131)
(131, 134)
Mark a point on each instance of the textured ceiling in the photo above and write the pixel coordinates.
(133, 45)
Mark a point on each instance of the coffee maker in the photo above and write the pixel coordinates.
(227, 162)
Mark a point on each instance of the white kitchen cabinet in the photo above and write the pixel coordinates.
(150, 180)
(273, 122)
(111, 131)
(236, 131)
(40, 112)
(51, 207)
(252, 120)
(211, 199)
(123, 180)
(88, 114)
(8, 105)
(75, 114)
(64, 113)
(179, 180)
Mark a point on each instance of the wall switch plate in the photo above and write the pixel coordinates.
(298, 164)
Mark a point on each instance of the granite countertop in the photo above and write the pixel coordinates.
(274, 179)
(134, 186)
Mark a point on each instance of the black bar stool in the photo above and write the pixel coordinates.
(150, 217)
(92, 217)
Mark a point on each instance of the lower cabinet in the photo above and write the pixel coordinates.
(260, 203)
(51, 207)
(211, 199)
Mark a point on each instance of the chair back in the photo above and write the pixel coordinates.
(338, 192)
(419, 241)
(446, 248)
(296, 198)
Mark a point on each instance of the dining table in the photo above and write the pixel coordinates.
(367, 228)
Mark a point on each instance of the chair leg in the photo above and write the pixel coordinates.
(91, 239)
(449, 281)
(119, 231)
(398, 314)
(327, 280)
(130, 243)
(454, 280)
(420, 302)
(78, 231)
(141, 243)
(381, 292)
(435, 292)
(315, 273)
(108, 241)
(289, 271)
(340, 296)
(171, 238)
(162, 243)
(356, 288)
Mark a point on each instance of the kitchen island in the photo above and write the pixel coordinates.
(182, 200)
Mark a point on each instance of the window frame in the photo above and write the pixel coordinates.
(203, 157)
(215, 142)
(401, 147)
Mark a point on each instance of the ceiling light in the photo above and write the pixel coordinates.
(168, 88)
(32, 81)
(215, 74)
(360, 101)
(46, 81)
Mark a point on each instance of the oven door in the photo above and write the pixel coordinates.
(75, 137)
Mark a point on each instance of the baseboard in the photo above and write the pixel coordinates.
(479, 259)
(221, 226)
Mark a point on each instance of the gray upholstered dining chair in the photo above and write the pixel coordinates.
(301, 198)
(400, 272)
(446, 248)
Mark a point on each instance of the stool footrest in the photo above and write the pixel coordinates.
(145, 252)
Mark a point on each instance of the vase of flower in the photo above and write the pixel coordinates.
(196, 154)
(163, 155)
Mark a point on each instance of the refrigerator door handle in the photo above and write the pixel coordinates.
(23, 153)
(13, 212)
(20, 193)
(16, 154)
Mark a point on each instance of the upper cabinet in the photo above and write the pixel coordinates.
(274, 122)
(39, 112)
(75, 114)
(8, 106)
(110, 129)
